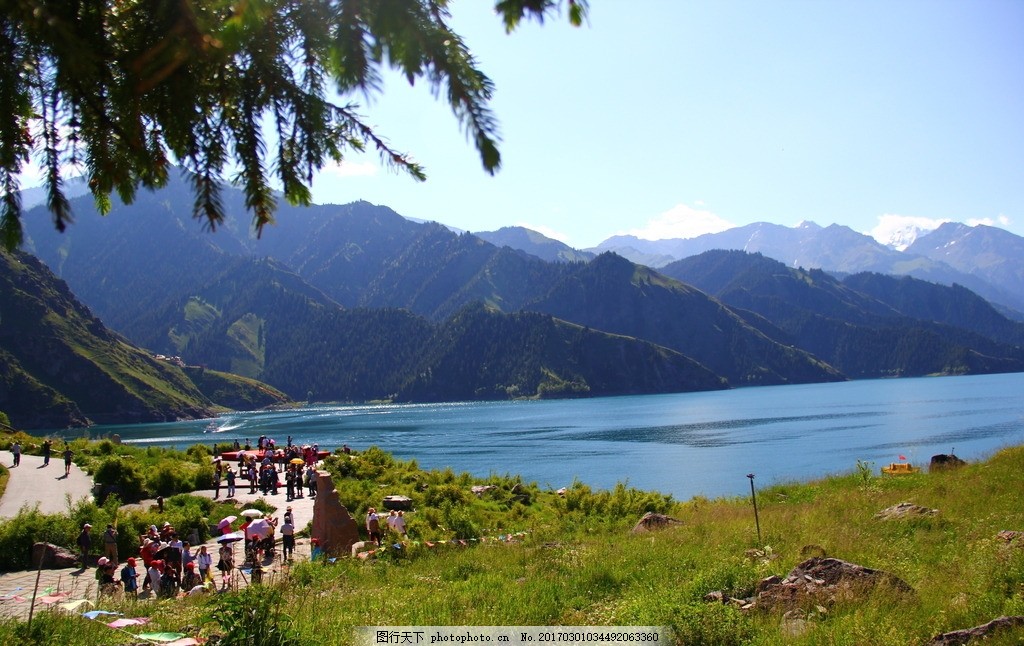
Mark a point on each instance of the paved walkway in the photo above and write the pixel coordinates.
(47, 487)
(33, 484)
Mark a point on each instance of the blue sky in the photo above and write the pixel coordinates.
(667, 118)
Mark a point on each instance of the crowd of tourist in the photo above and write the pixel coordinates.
(268, 468)
(172, 567)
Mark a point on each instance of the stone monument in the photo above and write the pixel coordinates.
(333, 526)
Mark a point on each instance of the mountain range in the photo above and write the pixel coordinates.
(987, 260)
(355, 302)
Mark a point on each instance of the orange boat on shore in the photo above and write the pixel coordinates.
(899, 469)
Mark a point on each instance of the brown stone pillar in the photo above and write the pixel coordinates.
(333, 526)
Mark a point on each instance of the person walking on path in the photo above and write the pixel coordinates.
(26, 486)
(47, 447)
(16, 450)
(85, 544)
(231, 482)
(68, 454)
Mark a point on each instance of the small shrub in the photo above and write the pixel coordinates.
(254, 617)
(711, 624)
(18, 534)
(458, 521)
(168, 478)
(119, 476)
(199, 453)
(450, 494)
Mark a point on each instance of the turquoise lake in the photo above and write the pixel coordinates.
(684, 444)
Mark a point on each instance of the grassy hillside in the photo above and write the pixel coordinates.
(572, 560)
(234, 391)
(69, 363)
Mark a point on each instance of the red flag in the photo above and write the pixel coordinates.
(903, 457)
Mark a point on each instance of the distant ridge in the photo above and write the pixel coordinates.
(986, 260)
(535, 244)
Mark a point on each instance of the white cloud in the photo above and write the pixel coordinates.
(682, 221)
(1001, 221)
(891, 224)
(546, 231)
(351, 169)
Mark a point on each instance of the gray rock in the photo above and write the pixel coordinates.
(652, 521)
(958, 637)
(54, 557)
(905, 510)
(821, 581)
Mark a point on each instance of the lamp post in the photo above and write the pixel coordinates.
(753, 497)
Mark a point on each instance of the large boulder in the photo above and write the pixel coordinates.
(53, 556)
(652, 521)
(403, 503)
(944, 461)
(823, 581)
(905, 510)
(333, 527)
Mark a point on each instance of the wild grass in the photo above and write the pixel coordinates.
(575, 562)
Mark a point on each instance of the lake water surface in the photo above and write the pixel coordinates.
(684, 444)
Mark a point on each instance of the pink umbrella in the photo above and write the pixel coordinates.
(227, 520)
(259, 528)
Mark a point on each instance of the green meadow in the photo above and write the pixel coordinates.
(535, 557)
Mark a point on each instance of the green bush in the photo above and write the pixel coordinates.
(169, 477)
(711, 624)
(120, 476)
(202, 477)
(18, 534)
(254, 617)
(459, 522)
(451, 494)
(199, 453)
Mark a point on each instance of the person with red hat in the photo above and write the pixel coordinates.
(190, 579)
(130, 578)
(153, 574)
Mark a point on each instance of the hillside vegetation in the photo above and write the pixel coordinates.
(572, 560)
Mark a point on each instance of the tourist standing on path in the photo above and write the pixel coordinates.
(47, 447)
(68, 454)
(373, 525)
(130, 579)
(311, 474)
(288, 536)
(110, 544)
(226, 564)
(231, 482)
(153, 575)
(85, 543)
(16, 450)
(216, 480)
(204, 561)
